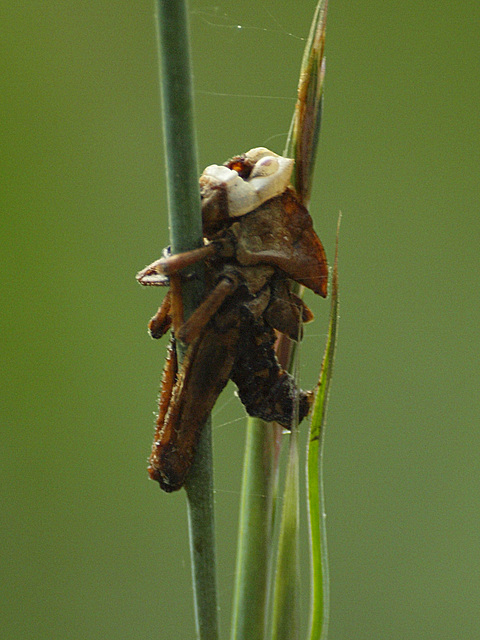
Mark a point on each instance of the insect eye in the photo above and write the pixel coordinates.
(242, 168)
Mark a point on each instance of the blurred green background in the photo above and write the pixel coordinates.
(90, 547)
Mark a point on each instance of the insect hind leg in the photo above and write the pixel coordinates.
(202, 314)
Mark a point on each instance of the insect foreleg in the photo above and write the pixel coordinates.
(156, 274)
(172, 264)
(162, 320)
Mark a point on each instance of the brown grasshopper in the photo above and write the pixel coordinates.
(258, 238)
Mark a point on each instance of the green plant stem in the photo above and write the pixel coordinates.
(178, 124)
(201, 529)
(255, 532)
(286, 591)
(260, 486)
(185, 234)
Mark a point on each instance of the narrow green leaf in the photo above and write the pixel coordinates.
(255, 531)
(319, 606)
(286, 605)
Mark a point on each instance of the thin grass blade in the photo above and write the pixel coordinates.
(305, 128)
(255, 532)
(286, 604)
(319, 606)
